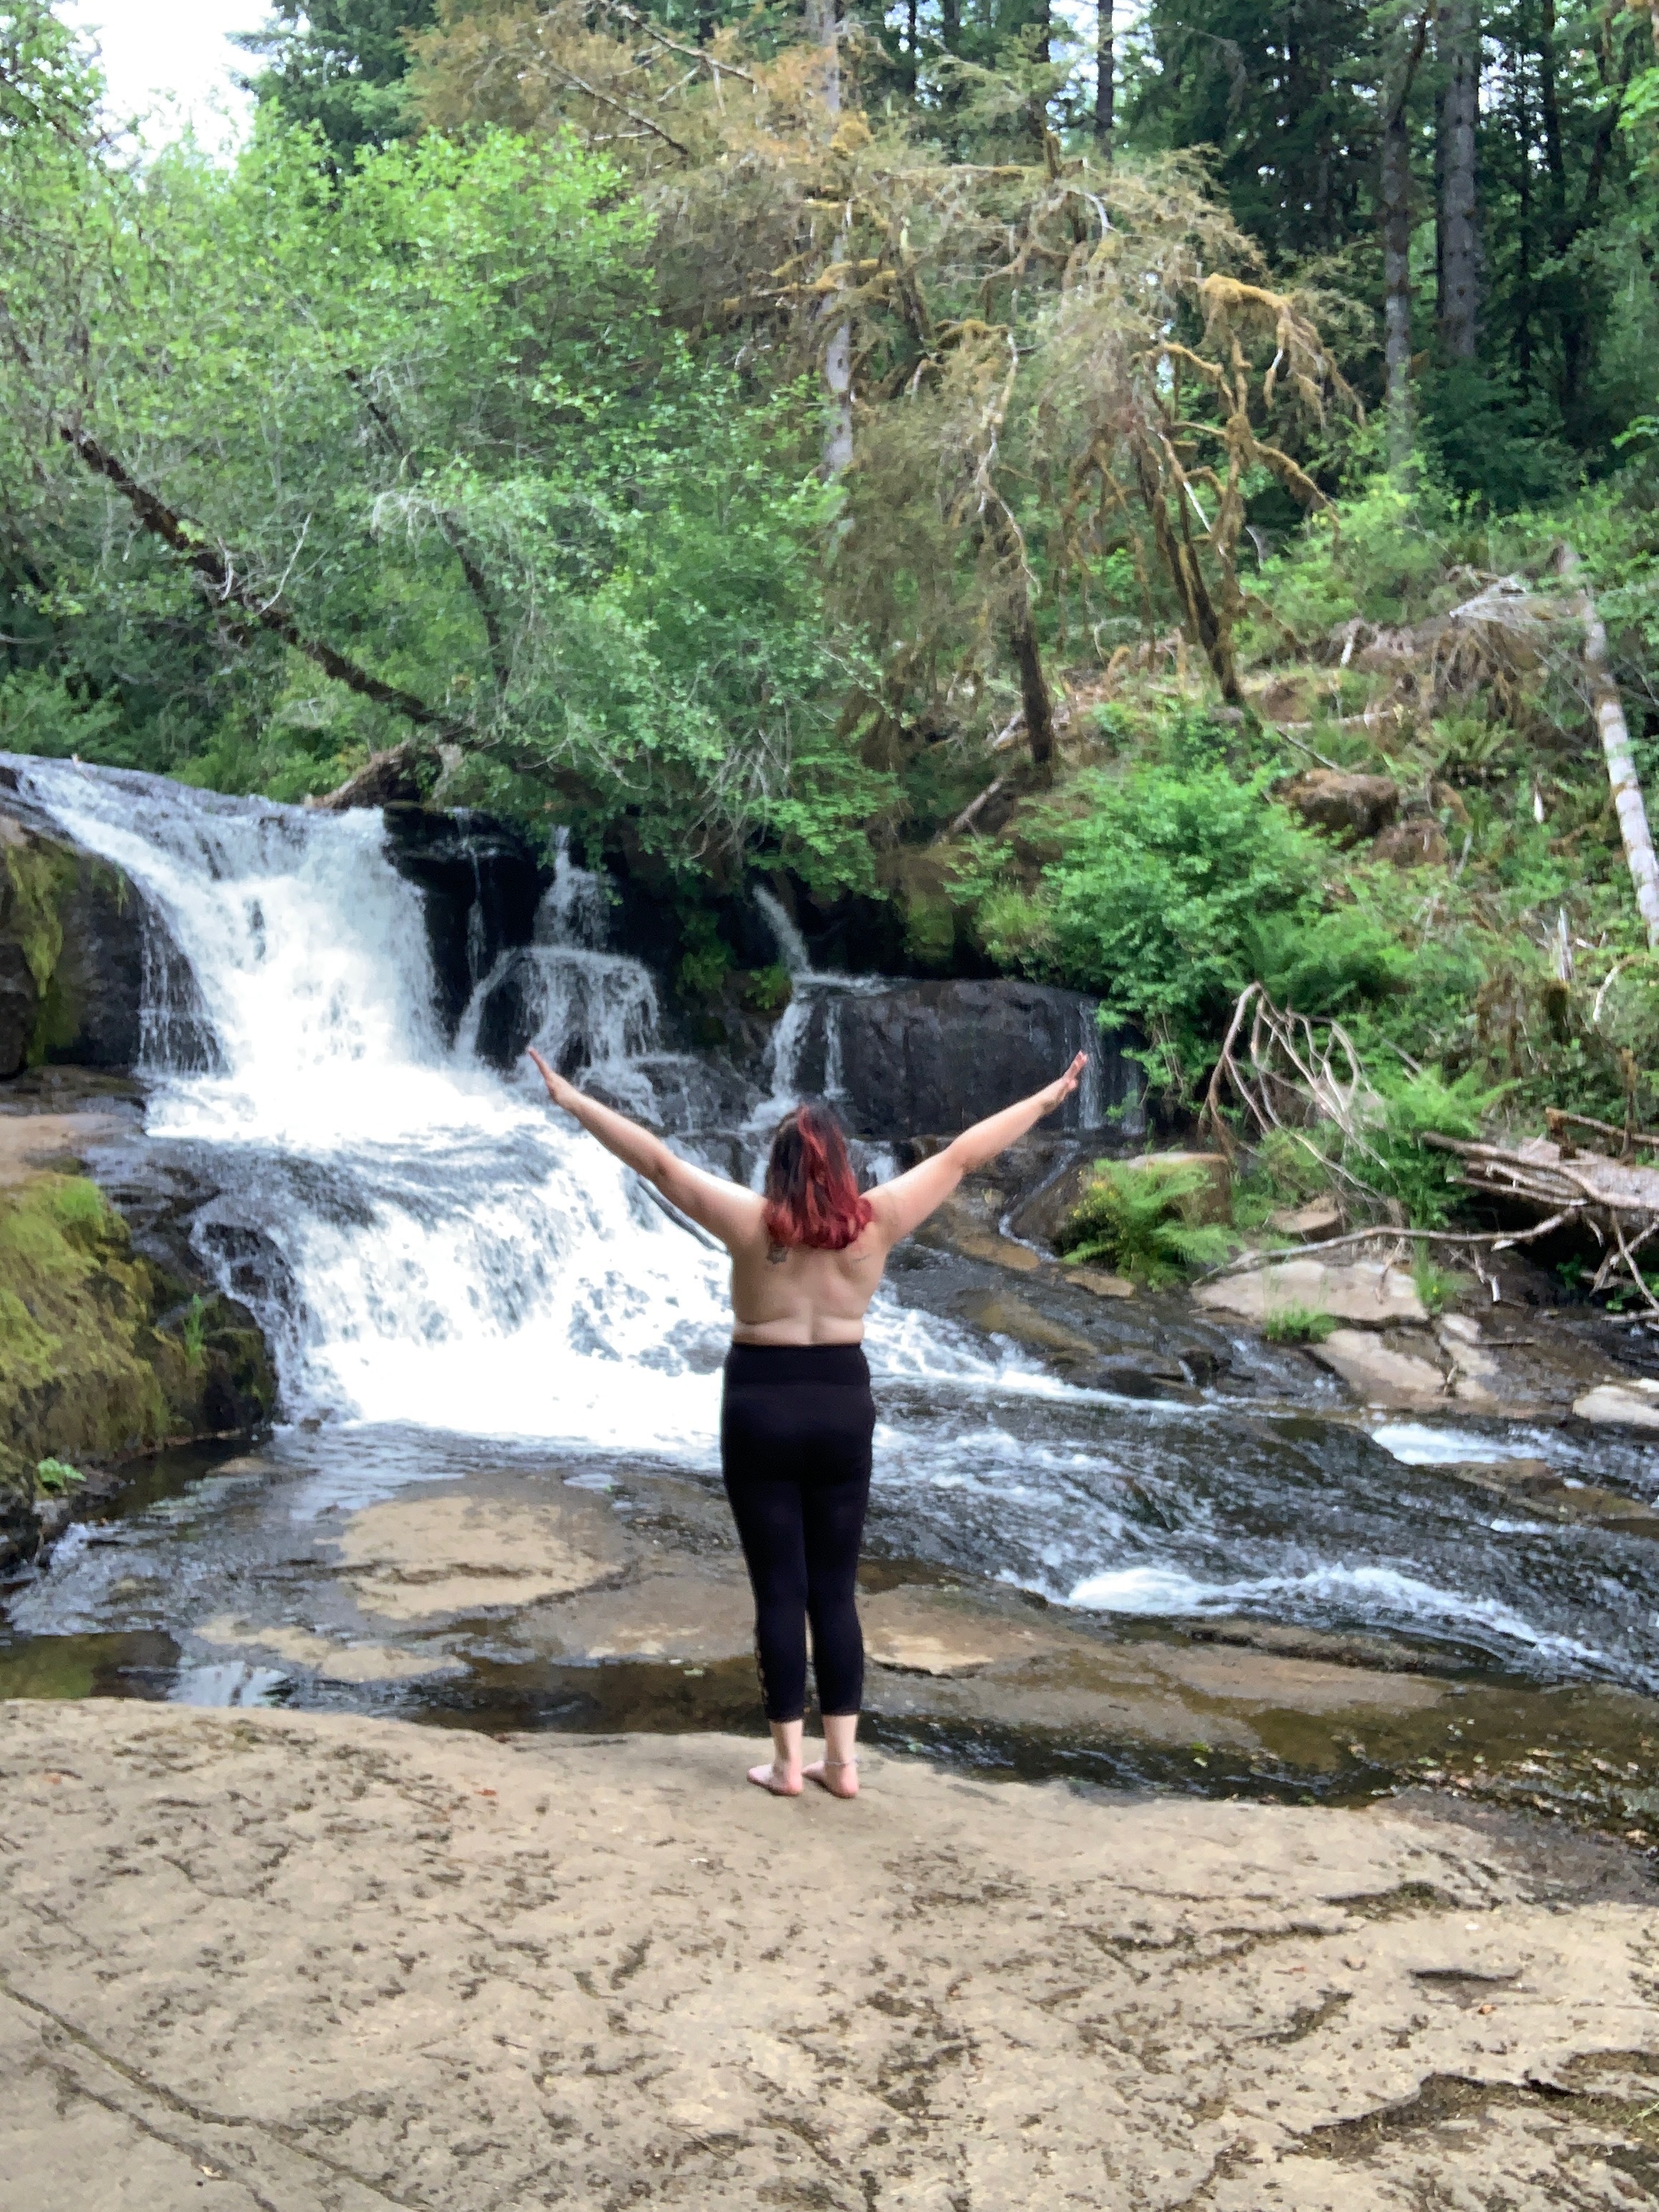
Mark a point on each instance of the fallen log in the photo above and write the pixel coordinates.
(1616, 1201)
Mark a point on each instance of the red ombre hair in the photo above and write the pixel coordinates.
(811, 1193)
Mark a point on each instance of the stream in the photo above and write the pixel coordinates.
(459, 1287)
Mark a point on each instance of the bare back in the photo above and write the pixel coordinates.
(794, 1294)
(789, 1294)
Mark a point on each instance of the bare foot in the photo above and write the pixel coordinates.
(840, 1776)
(776, 1779)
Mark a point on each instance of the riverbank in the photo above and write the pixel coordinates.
(262, 1959)
(109, 1348)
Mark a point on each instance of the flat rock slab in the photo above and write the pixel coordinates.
(416, 1558)
(1379, 1375)
(29, 1142)
(283, 1960)
(919, 1629)
(1629, 1405)
(1000, 1314)
(1368, 1293)
(323, 1655)
(699, 1612)
(1102, 1285)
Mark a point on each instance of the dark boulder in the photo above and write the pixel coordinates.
(929, 1058)
(482, 882)
(73, 936)
(1349, 806)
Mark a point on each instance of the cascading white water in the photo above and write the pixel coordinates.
(456, 1256)
(811, 1019)
(460, 1257)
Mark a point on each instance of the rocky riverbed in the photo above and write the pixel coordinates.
(428, 1576)
(274, 1960)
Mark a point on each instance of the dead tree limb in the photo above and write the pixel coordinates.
(1609, 709)
(216, 573)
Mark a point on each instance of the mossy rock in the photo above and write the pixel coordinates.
(87, 1370)
(71, 954)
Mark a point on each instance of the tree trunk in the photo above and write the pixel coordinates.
(1397, 283)
(1457, 42)
(1105, 79)
(950, 21)
(1397, 248)
(1033, 684)
(1609, 711)
(821, 19)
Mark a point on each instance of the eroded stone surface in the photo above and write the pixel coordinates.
(312, 1961)
(699, 1612)
(1633, 1405)
(1366, 1292)
(30, 1141)
(1380, 1375)
(320, 1655)
(412, 1560)
(924, 1631)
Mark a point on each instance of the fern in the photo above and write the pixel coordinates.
(1140, 1220)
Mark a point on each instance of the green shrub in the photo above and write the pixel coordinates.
(1436, 1286)
(1415, 1106)
(1156, 898)
(1142, 1220)
(1298, 1325)
(55, 1476)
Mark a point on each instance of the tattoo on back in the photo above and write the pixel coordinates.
(776, 1254)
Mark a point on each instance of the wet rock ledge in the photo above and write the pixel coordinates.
(106, 1349)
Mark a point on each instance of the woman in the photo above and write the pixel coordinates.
(797, 1417)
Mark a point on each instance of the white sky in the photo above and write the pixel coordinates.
(172, 62)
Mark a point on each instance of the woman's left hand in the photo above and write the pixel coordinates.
(561, 1092)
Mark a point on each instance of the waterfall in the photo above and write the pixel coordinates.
(448, 1250)
(806, 1052)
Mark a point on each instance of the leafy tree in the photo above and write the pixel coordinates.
(339, 64)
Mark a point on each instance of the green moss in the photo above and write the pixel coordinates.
(38, 876)
(74, 1301)
(86, 1370)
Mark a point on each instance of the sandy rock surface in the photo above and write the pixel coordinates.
(29, 1142)
(1379, 1373)
(413, 1560)
(311, 1964)
(1632, 1405)
(1366, 1292)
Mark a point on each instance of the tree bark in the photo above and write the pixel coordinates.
(1397, 247)
(1105, 79)
(1614, 732)
(822, 20)
(1033, 684)
(949, 17)
(1457, 42)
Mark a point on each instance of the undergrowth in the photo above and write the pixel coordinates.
(1144, 1220)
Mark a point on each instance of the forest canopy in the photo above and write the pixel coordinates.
(960, 463)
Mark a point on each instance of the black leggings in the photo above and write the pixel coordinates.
(796, 1422)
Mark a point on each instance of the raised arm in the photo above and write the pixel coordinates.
(906, 1202)
(726, 1208)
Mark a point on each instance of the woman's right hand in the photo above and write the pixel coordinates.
(561, 1092)
(1061, 1089)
